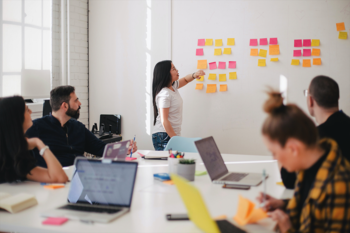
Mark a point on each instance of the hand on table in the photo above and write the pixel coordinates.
(271, 203)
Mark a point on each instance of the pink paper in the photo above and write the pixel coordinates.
(253, 42)
(199, 52)
(306, 52)
(297, 53)
(232, 64)
(263, 41)
(298, 43)
(55, 221)
(222, 65)
(306, 43)
(273, 41)
(201, 42)
(212, 66)
(129, 159)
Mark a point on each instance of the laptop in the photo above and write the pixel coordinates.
(100, 191)
(198, 212)
(217, 169)
(116, 150)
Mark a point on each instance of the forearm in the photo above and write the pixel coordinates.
(168, 128)
(54, 167)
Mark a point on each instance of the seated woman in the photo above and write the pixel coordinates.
(16, 160)
(321, 200)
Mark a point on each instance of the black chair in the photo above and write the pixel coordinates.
(47, 108)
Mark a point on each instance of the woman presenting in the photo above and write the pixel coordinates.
(167, 102)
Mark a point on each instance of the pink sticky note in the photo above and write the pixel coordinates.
(199, 52)
(129, 159)
(263, 41)
(306, 43)
(222, 65)
(55, 221)
(297, 53)
(232, 64)
(212, 66)
(253, 42)
(306, 52)
(298, 43)
(201, 42)
(273, 41)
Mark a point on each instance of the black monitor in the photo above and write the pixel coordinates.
(113, 120)
(46, 108)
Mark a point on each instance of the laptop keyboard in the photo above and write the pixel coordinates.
(235, 176)
(90, 209)
(227, 227)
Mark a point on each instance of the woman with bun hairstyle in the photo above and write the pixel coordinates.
(321, 200)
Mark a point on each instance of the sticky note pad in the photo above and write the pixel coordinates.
(212, 65)
(208, 42)
(199, 52)
(218, 42)
(261, 62)
(253, 42)
(230, 41)
(262, 53)
(211, 88)
(306, 52)
(223, 87)
(199, 86)
(340, 26)
(246, 213)
(295, 62)
(222, 65)
(201, 79)
(168, 182)
(217, 52)
(54, 186)
(54, 221)
(202, 64)
(201, 42)
(343, 35)
(316, 52)
(298, 43)
(232, 75)
(254, 52)
(307, 43)
(263, 41)
(212, 77)
(296, 53)
(222, 77)
(274, 59)
(274, 49)
(317, 61)
(306, 62)
(315, 42)
(232, 64)
(130, 158)
(273, 41)
(227, 50)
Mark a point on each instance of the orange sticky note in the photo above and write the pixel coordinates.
(199, 86)
(211, 88)
(223, 87)
(220, 217)
(246, 212)
(306, 62)
(254, 52)
(316, 52)
(340, 26)
(274, 49)
(170, 182)
(200, 79)
(54, 186)
(202, 64)
(317, 61)
(233, 75)
(295, 62)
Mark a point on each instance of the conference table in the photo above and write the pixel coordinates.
(152, 199)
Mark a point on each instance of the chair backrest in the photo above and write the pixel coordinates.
(182, 144)
(46, 108)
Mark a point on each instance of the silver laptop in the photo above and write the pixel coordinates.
(217, 169)
(100, 191)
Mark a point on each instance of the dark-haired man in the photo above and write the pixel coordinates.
(322, 102)
(66, 137)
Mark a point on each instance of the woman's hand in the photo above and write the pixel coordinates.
(132, 147)
(198, 74)
(271, 203)
(35, 143)
(282, 219)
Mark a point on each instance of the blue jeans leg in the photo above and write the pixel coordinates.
(160, 140)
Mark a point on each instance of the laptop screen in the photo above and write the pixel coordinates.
(98, 182)
(211, 157)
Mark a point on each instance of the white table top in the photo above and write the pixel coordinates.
(152, 200)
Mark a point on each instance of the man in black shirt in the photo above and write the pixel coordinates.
(322, 101)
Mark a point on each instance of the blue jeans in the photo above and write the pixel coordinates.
(160, 140)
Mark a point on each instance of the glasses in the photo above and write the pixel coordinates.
(305, 93)
(173, 68)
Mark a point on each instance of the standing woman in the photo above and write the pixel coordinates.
(167, 102)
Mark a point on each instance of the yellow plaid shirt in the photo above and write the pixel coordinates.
(327, 207)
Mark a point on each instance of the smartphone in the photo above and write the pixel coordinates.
(236, 186)
(174, 217)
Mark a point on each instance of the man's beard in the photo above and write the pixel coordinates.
(73, 113)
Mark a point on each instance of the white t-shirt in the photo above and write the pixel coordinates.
(167, 98)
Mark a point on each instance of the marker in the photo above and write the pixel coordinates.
(132, 146)
(264, 178)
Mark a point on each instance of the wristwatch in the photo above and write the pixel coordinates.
(193, 76)
(42, 151)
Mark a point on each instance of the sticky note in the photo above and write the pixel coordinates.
(208, 42)
(222, 77)
(200, 79)
(261, 62)
(254, 52)
(343, 35)
(246, 213)
(316, 52)
(230, 41)
(340, 26)
(273, 41)
(218, 42)
(274, 59)
(295, 62)
(274, 49)
(317, 61)
(202, 64)
(220, 217)
(262, 53)
(307, 43)
(212, 77)
(212, 65)
(296, 53)
(263, 41)
(223, 87)
(306, 52)
(306, 62)
(170, 182)
(54, 186)
(199, 52)
(280, 183)
(315, 42)
(199, 86)
(200, 173)
(217, 52)
(222, 65)
(211, 88)
(54, 221)
(227, 50)
(232, 64)
(298, 43)
(232, 75)
(201, 42)
(253, 42)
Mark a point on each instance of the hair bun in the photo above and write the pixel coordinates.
(274, 102)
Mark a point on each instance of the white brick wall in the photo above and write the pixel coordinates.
(56, 43)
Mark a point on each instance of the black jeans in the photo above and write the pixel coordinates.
(160, 140)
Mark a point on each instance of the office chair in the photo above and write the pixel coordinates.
(46, 108)
(182, 144)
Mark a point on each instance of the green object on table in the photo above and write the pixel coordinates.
(201, 173)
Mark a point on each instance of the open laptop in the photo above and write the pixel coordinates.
(116, 150)
(217, 169)
(198, 212)
(100, 191)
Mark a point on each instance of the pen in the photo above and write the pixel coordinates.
(264, 180)
(132, 146)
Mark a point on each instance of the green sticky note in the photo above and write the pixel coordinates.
(201, 173)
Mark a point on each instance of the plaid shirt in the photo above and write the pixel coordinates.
(327, 207)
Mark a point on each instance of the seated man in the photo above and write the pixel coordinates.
(66, 137)
(322, 102)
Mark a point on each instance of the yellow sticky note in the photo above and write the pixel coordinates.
(217, 52)
(295, 62)
(317, 61)
(227, 50)
(262, 53)
(211, 88)
(340, 26)
(262, 62)
(306, 62)
(222, 77)
(280, 183)
(208, 42)
(202, 64)
(274, 59)
(315, 42)
(274, 49)
(223, 87)
(233, 75)
(316, 52)
(200, 79)
(218, 42)
(199, 86)
(254, 52)
(343, 35)
(212, 77)
(231, 41)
